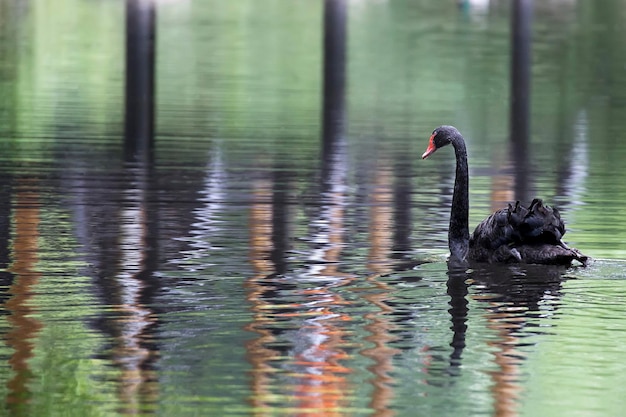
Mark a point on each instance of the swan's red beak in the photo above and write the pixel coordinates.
(431, 147)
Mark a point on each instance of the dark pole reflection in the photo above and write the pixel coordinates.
(334, 67)
(402, 191)
(136, 283)
(140, 47)
(520, 94)
(333, 170)
(280, 218)
(6, 277)
(318, 379)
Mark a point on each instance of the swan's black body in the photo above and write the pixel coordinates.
(515, 234)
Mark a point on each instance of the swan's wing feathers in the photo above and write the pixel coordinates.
(517, 224)
(495, 231)
(541, 224)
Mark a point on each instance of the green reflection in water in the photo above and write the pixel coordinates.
(53, 367)
(584, 354)
(244, 77)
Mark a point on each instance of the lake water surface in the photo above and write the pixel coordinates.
(283, 253)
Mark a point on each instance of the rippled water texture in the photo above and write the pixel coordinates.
(281, 250)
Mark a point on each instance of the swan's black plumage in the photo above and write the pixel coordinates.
(515, 234)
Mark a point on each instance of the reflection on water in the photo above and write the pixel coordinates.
(24, 327)
(281, 249)
(512, 299)
(133, 323)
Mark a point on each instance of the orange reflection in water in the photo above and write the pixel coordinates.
(317, 378)
(260, 248)
(315, 371)
(379, 325)
(503, 184)
(24, 326)
(506, 320)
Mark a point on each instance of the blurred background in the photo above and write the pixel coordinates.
(219, 207)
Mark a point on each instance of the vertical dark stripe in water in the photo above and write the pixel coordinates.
(140, 46)
(520, 93)
(6, 277)
(457, 290)
(402, 189)
(137, 283)
(334, 67)
(280, 218)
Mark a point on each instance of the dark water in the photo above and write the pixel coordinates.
(284, 254)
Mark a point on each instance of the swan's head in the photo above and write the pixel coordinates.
(442, 136)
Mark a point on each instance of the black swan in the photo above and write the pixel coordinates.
(512, 235)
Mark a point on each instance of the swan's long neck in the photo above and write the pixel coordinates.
(458, 233)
